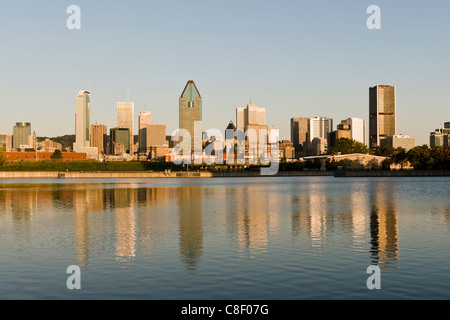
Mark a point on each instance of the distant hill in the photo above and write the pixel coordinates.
(66, 140)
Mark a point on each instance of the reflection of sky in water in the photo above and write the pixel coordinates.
(213, 228)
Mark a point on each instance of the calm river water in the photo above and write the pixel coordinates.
(225, 238)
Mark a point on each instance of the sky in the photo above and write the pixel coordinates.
(295, 58)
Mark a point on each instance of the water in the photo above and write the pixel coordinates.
(274, 238)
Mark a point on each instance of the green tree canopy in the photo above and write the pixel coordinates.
(348, 146)
(384, 151)
(399, 156)
(425, 158)
(57, 155)
(419, 157)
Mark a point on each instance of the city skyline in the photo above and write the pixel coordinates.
(194, 151)
(302, 63)
(251, 115)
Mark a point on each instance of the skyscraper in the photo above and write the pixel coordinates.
(252, 120)
(120, 141)
(22, 135)
(382, 114)
(319, 127)
(145, 119)
(125, 117)
(190, 112)
(98, 137)
(240, 118)
(250, 115)
(156, 135)
(82, 121)
(299, 130)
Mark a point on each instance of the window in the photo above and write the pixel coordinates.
(190, 104)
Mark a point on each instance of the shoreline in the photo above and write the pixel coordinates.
(205, 174)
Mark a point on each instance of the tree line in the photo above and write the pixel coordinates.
(420, 157)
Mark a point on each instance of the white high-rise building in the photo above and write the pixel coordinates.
(82, 121)
(357, 129)
(83, 125)
(125, 117)
(319, 127)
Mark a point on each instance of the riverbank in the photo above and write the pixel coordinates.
(206, 174)
(140, 174)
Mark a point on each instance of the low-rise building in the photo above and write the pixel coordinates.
(399, 141)
(439, 138)
(286, 150)
(357, 160)
(43, 156)
(48, 146)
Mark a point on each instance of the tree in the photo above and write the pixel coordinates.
(317, 164)
(384, 151)
(2, 156)
(57, 155)
(439, 158)
(308, 164)
(374, 164)
(348, 146)
(399, 156)
(386, 164)
(419, 157)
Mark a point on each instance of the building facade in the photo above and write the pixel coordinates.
(318, 128)
(82, 121)
(440, 137)
(22, 137)
(190, 115)
(357, 129)
(299, 131)
(48, 146)
(98, 137)
(145, 119)
(399, 141)
(6, 141)
(342, 131)
(43, 156)
(382, 114)
(156, 136)
(120, 141)
(286, 150)
(125, 119)
(250, 115)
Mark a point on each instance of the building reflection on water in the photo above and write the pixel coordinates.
(370, 216)
(190, 225)
(384, 238)
(137, 218)
(253, 217)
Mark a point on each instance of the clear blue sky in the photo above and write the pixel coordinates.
(293, 57)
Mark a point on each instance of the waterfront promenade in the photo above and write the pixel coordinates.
(206, 174)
